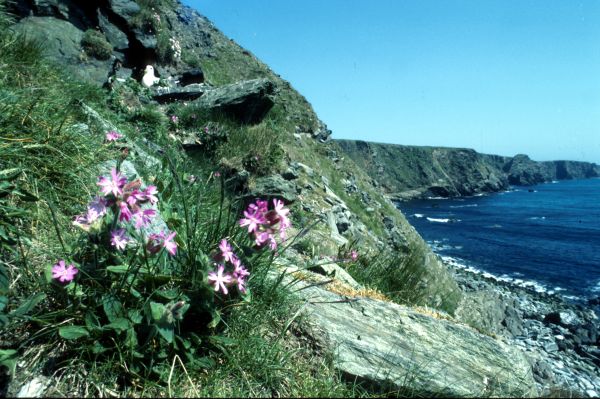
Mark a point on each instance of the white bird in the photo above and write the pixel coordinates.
(149, 79)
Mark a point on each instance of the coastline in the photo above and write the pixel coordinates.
(559, 338)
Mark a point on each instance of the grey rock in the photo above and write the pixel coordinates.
(193, 76)
(290, 173)
(396, 348)
(35, 388)
(116, 37)
(247, 101)
(61, 41)
(274, 187)
(550, 347)
(187, 93)
(331, 269)
(126, 9)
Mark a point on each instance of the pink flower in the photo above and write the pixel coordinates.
(96, 209)
(252, 220)
(260, 238)
(125, 214)
(118, 239)
(353, 254)
(113, 136)
(219, 279)
(170, 245)
(155, 241)
(113, 185)
(226, 251)
(150, 194)
(241, 284)
(238, 269)
(143, 217)
(174, 118)
(63, 273)
(260, 206)
(217, 174)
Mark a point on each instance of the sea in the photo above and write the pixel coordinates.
(544, 237)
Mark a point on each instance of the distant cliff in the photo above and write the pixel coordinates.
(406, 172)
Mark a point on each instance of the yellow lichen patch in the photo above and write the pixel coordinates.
(433, 313)
(339, 287)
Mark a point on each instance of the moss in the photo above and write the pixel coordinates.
(94, 43)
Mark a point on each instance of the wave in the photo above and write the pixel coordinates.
(464, 206)
(438, 198)
(537, 218)
(418, 215)
(438, 220)
(527, 284)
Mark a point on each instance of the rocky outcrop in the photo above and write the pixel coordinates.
(392, 348)
(247, 101)
(406, 172)
(560, 339)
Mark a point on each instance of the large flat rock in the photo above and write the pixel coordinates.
(396, 348)
(247, 101)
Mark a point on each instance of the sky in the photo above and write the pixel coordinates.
(500, 76)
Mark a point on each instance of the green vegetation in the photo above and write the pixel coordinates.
(94, 43)
(108, 330)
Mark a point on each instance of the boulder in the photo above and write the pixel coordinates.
(116, 37)
(172, 94)
(274, 187)
(396, 348)
(126, 9)
(61, 41)
(193, 76)
(247, 101)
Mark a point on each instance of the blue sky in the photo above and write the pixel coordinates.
(502, 77)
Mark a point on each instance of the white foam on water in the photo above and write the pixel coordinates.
(464, 206)
(435, 220)
(529, 284)
(438, 198)
(418, 215)
(537, 218)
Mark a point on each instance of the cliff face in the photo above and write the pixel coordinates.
(410, 171)
(110, 43)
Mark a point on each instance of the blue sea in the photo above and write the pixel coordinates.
(546, 237)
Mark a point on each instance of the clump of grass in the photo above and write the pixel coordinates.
(94, 43)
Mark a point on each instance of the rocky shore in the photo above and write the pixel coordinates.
(559, 338)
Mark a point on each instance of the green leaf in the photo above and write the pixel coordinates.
(203, 362)
(216, 319)
(166, 331)
(118, 269)
(10, 174)
(28, 305)
(91, 322)
(168, 294)
(73, 332)
(97, 348)
(3, 321)
(131, 340)
(3, 303)
(135, 316)
(4, 282)
(8, 358)
(158, 310)
(220, 340)
(112, 307)
(119, 324)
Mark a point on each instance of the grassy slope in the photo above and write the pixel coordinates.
(232, 63)
(39, 107)
(60, 164)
